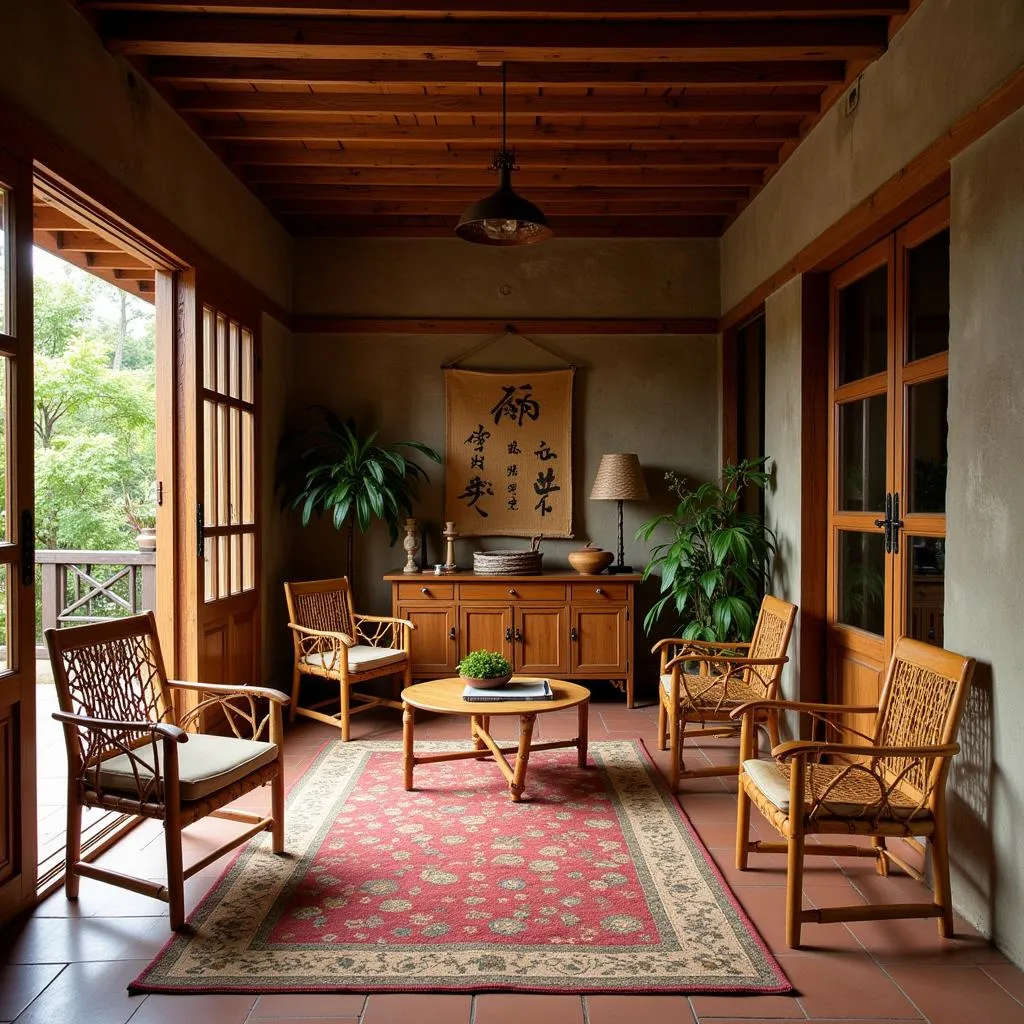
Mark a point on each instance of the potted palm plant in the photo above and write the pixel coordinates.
(714, 564)
(329, 470)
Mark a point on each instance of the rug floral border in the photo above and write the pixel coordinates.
(226, 946)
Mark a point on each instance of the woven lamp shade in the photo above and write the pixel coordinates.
(619, 478)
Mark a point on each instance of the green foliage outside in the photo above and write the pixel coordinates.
(484, 665)
(714, 565)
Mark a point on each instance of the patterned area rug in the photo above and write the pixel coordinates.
(595, 883)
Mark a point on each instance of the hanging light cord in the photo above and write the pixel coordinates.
(504, 109)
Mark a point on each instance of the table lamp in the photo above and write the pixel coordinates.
(619, 478)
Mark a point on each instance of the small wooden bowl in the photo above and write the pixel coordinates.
(590, 561)
(486, 683)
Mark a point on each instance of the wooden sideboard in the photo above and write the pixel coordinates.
(554, 623)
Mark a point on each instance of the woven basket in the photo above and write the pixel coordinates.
(507, 563)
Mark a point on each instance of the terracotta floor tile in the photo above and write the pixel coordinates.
(746, 1007)
(514, 1008)
(88, 993)
(845, 984)
(949, 994)
(343, 1006)
(198, 1009)
(423, 1008)
(917, 941)
(58, 940)
(21, 983)
(666, 1009)
(1009, 976)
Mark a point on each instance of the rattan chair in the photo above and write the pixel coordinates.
(332, 642)
(727, 676)
(129, 749)
(891, 784)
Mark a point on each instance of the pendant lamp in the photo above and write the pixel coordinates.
(503, 218)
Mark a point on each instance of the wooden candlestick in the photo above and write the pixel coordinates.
(411, 544)
(450, 533)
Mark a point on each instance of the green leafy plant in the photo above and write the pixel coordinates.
(331, 471)
(484, 665)
(714, 565)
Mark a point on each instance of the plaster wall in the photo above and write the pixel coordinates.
(277, 531)
(54, 67)
(948, 58)
(782, 442)
(567, 277)
(985, 495)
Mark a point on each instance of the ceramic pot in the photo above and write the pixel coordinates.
(489, 683)
(590, 561)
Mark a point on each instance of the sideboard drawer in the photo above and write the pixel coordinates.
(508, 589)
(426, 592)
(599, 591)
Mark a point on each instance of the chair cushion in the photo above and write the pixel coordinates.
(205, 764)
(845, 791)
(710, 690)
(360, 658)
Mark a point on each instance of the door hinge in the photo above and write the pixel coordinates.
(200, 531)
(28, 548)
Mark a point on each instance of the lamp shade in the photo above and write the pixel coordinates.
(503, 218)
(619, 478)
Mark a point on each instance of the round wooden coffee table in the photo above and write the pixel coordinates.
(444, 696)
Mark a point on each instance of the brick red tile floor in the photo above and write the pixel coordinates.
(72, 961)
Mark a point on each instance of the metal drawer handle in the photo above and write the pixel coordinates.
(424, 590)
(598, 591)
(508, 635)
(512, 591)
(451, 633)
(573, 634)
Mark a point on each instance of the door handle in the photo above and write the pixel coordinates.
(451, 633)
(896, 525)
(508, 635)
(574, 634)
(519, 635)
(886, 523)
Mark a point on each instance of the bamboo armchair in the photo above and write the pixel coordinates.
(130, 750)
(892, 784)
(730, 674)
(333, 642)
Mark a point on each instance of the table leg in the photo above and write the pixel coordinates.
(477, 724)
(408, 721)
(584, 724)
(518, 782)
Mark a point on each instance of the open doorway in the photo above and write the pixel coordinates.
(94, 419)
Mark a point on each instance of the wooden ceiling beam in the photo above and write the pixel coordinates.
(489, 105)
(224, 71)
(133, 33)
(629, 9)
(564, 227)
(318, 131)
(627, 176)
(117, 261)
(415, 193)
(534, 156)
(585, 207)
(74, 241)
(47, 218)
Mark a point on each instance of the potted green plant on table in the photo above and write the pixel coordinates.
(331, 471)
(714, 565)
(486, 670)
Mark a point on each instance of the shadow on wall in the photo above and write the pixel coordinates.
(969, 802)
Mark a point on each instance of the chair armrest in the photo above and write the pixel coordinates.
(163, 729)
(698, 645)
(729, 661)
(325, 633)
(233, 691)
(792, 748)
(798, 705)
(386, 618)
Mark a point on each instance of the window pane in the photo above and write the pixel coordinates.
(5, 281)
(234, 352)
(862, 455)
(248, 561)
(247, 366)
(222, 355)
(928, 298)
(223, 466)
(926, 444)
(223, 566)
(236, 563)
(6, 660)
(5, 532)
(863, 327)
(209, 463)
(248, 469)
(209, 350)
(926, 587)
(210, 561)
(862, 580)
(235, 503)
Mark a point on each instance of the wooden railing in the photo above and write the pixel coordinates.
(94, 586)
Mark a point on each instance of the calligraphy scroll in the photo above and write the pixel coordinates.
(508, 458)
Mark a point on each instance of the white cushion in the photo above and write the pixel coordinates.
(772, 782)
(205, 764)
(360, 658)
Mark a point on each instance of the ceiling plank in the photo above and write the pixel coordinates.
(470, 325)
(46, 218)
(680, 9)
(532, 155)
(201, 35)
(634, 176)
(575, 208)
(75, 241)
(306, 104)
(224, 71)
(387, 193)
(298, 131)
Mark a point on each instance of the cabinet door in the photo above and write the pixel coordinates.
(486, 627)
(434, 644)
(542, 640)
(599, 640)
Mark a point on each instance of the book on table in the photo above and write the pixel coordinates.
(535, 689)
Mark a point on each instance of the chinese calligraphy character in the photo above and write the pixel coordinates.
(476, 462)
(544, 485)
(514, 449)
(476, 488)
(512, 504)
(515, 408)
(512, 488)
(512, 470)
(544, 452)
(478, 438)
